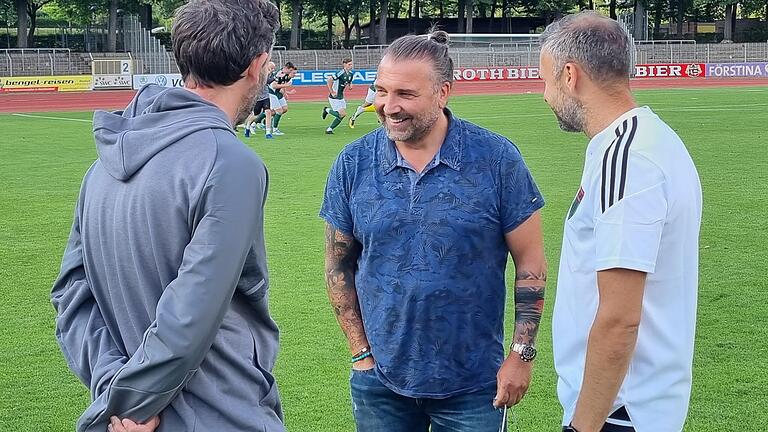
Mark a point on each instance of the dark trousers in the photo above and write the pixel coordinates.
(619, 414)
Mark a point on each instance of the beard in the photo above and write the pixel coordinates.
(409, 127)
(246, 104)
(570, 114)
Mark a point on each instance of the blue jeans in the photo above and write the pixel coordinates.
(378, 409)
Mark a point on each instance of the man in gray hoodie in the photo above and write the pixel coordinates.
(162, 297)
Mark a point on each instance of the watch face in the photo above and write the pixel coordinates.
(528, 353)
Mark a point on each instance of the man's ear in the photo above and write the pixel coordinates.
(571, 77)
(257, 67)
(445, 93)
(575, 80)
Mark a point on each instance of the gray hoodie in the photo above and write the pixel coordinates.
(162, 297)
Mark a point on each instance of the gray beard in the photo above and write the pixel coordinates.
(420, 126)
(570, 116)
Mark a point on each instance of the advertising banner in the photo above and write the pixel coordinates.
(687, 70)
(163, 80)
(497, 74)
(106, 82)
(62, 83)
(725, 70)
(319, 77)
(671, 70)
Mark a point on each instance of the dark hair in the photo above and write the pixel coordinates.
(433, 47)
(290, 65)
(216, 40)
(346, 60)
(597, 43)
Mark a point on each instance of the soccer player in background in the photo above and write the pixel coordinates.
(261, 107)
(337, 84)
(367, 106)
(277, 102)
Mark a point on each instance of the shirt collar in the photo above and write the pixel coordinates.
(599, 142)
(450, 152)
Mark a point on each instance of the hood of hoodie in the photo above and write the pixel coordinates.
(156, 118)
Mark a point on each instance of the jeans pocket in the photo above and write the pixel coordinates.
(364, 380)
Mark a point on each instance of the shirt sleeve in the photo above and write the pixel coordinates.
(335, 209)
(520, 197)
(192, 307)
(628, 232)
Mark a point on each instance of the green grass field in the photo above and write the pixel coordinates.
(42, 161)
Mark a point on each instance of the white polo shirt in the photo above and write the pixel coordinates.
(639, 208)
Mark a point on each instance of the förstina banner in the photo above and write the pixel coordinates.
(726, 70)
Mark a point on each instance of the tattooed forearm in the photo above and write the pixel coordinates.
(341, 254)
(529, 305)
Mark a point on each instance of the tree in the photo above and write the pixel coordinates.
(22, 25)
(26, 12)
(347, 10)
(32, 8)
(329, 9)
(296, 16)
(681, 5)
(470, 14)
(383, 21)
(373, 34)
(639, 20)
(112, 27)
(730, 21)
(658, 6)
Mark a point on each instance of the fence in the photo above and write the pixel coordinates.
(527, 54)
(149, 58)
(34, 61)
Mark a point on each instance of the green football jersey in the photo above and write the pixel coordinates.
(280, 78)
(341, 81)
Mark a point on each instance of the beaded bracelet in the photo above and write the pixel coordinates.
(361, 357)
(362, 354)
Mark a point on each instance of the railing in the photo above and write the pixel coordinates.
(367, 56)
(10, 64)
(666, 42)
(20, 62)
(43, 61)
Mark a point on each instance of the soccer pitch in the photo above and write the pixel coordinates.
(43, 159)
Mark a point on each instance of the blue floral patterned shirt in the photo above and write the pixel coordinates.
(430, 278)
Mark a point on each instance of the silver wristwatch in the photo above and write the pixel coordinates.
(527, 352)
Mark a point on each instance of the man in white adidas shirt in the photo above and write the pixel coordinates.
(625, 310)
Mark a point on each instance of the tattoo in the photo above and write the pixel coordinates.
(341, 254)
(529, 305)
(528, 276)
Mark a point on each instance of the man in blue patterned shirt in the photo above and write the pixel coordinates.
(421, 217)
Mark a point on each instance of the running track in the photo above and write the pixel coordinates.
(117, 99)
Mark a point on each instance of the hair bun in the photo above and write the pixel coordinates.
(438, 36)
